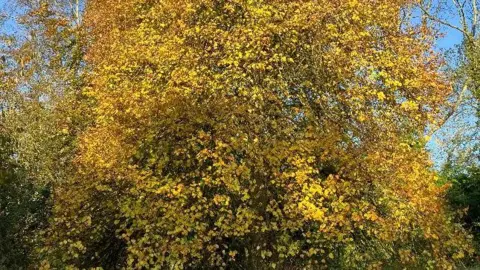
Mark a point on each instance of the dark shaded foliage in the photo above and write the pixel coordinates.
(22, 210)
(465, 195)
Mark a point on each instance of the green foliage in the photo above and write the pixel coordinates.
(23, 210)
(464, 196)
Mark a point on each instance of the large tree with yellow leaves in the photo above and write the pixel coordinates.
(256, 134)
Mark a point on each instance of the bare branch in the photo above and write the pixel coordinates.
(454, 109)
(461, 14)
(475, 17)
(445, 23)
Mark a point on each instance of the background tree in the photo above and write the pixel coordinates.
(41, 110)
(462, 144)
(44, 54)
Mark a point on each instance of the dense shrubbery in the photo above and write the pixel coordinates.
(464, 196)
(23, 210)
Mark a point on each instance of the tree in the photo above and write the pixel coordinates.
(41, 111)
(256, 134)
(462, 164)
(43, 70)
(463, 17)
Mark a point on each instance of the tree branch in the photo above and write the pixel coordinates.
(433, 18)
(453, 109)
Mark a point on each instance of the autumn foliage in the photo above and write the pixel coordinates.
(260, 134)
